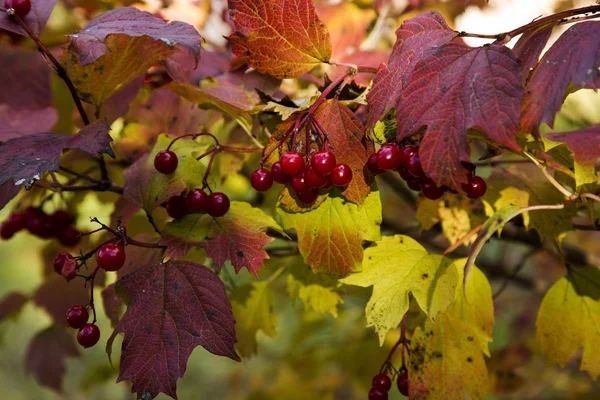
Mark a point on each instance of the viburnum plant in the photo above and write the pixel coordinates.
(424, 119)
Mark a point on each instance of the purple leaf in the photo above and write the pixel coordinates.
(89, 42)
(530, 47)
(8, 191)
(25, 159)
(584, 143)
(36, 18)
(117, 105)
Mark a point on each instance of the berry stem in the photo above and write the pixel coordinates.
(194, 136)
(294, 128)
(92, 278)
(208, 167)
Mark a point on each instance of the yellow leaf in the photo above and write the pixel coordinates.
(315, 297)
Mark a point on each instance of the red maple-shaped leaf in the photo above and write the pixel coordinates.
(36, 18)
(130, 21)
(456, 88)
(280, 38)
(25, 159)
(584, 143)
(8, 191)
(529, 47)
(417, 38)
(172, 308)
(570, 64)
(46, 356)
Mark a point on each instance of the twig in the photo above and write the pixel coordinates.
(550, 178)
(462, 240)
(151, 220)
(514, 273)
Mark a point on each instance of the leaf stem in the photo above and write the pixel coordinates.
(549, 176)
(462, 240)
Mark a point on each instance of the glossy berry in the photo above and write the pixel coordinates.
(278, 175)
(111, 256)
(261, 180)
(69, 237)
(197, 201)
(21, 7)
(88, 335)
(388, 157)
(308, 197)
(60, 260)
(402, 383)
(219, 204)
(382, 381)
(414, 166)
(166, 162)
(77, 316)
(406, 154)
(341, 175)
(373, 166)
(476, 188)
(431, 190)
(292, 163)
(177, 207)
(298, 184)
(313, 179)
(377, 394)
(323, 162)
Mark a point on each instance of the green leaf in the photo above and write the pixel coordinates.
(569, 320)
(447, 356)
(254, 315)
(396, 267)
(330, 237)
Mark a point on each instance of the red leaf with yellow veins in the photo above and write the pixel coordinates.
(584, 143)
(172, 308)
(280, 38)
(455, 89)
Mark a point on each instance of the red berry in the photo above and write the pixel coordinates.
(382, 381)
(165, 162)
(373, 166)
(197, 201)
(21, 7)
(308, 197)
(88, 335)
(388, 157)
(219, 204)
(298, 184)
(313, 179)
(328, 185)
(177, 207)
(61, 219)
(476, 188)
(323, 162)
(404, 174)
(292, 163)
(406, 154)
(402, 383)
(414, 184)
(111, 257)
(431, 190)
(77, 316)
(414, 166)
(69, 237)
(16, 222)
(6, 231)
(261, 180)
(377, 394)
(341, 175)
(278, 175)
(60, 260)
(41, 225)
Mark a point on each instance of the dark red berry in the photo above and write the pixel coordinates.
(328, 185)
(111, 256)
(314, 180)
(60, 260)
(41, 225)
(431, 190)
(382, 381)
(16, 222)
(323, 162)
(219, 204)
(6, 231)
(278, 175)
(378, 394)
(166, 162)
(406, 154)
(476, 188)
(197, 201)
(402, 383)
(261, 180)
(308, 197)
(61, 218)
(414, 166)
(414, 184)
(69, 237)
(470, 167)
(177, 207)
(373, 166)
(21, 7)
(77, 316)
(88, 335)
(341, 175)
(292, 163)
(298, 184)
(404, 174)
(388, 157)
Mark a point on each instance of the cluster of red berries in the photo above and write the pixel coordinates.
(21, 7)
(382, 384)
(405, 160)
(58, 225)
(88, 334)
(323, 172)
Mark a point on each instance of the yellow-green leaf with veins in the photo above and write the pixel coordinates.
(254, 315)
(447, 357)
(584, 173)
(330, 236)
(314, 296)
(569, 320)
(396, 267)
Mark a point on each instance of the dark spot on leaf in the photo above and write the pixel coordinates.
(437, 354)
(210, 315)
(469, 359)
(148, 329)
(470, 338)
(239, 253)
(425, 276)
